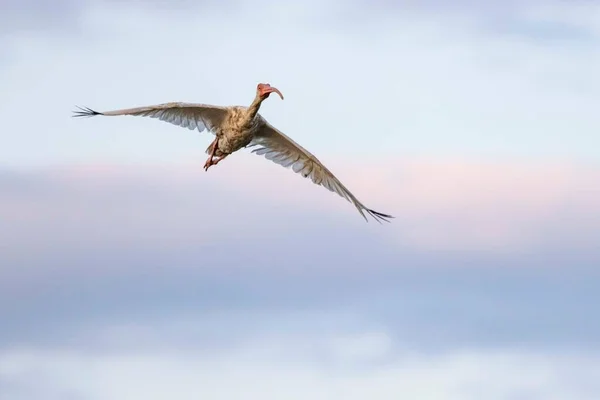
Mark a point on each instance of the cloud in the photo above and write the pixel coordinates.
(495, 205)
(298, 368)
(534, 20)
(436, 307)
(472, 242)
(31, 14)
(439, 206)
(40, 16)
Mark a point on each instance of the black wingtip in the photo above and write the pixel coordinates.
(85, 112)
(379, 216)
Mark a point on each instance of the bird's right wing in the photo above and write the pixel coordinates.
(187, 115)
(279, 148)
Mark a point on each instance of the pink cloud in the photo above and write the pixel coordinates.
(451, 204)
(448, 204)
(490, 206)
(438, 205)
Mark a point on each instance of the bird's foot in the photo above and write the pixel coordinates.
(208, 163)
(212, 161)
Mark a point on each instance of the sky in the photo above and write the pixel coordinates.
(127, 271)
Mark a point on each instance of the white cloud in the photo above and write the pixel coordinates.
(285, 367)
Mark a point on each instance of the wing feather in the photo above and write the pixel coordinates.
(274, 145)
(187, 115)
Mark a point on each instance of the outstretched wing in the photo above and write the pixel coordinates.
(187, 115)
(279, 148)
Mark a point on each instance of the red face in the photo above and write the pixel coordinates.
(264, 90)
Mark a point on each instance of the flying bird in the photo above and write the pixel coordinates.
(236, 127)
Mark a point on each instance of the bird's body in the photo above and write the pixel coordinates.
(237, 131)
(237, 127)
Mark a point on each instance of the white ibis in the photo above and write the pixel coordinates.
(236, 127)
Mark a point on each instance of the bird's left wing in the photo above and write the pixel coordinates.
(281, 149)
(187, 115)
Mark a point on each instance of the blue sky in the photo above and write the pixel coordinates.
(128, 271)
(495, 92)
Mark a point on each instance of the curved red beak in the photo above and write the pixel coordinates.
(268, 90)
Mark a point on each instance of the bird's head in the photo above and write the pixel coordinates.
(264, 90)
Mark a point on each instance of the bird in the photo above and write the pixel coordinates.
(237, 127)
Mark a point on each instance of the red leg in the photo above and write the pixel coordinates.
(213, 149)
